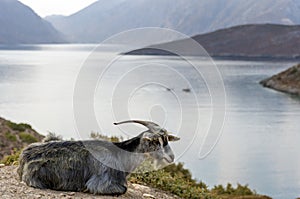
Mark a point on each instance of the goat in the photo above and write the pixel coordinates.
(93, 166)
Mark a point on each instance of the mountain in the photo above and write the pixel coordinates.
(248, 41)
(105, 18)
(20, 25)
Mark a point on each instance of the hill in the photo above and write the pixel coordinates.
(287, 81)
(106, 18)
(15, 136)
(245, 41)
(21, 25)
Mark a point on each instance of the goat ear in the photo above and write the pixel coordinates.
(173, 138)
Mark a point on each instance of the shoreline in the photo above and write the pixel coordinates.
(242, 57)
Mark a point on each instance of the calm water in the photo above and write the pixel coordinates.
(259, 144)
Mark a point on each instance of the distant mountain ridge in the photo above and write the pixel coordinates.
(245, 41)
(21, 25)
(105, 18)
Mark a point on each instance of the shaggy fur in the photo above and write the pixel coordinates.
(94, 166)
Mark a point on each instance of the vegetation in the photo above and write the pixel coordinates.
(229, 190)
(11, 137)
(1, 143)
(27, 138)
(18, 127)
(178, 180)
(52, 137)
(174, 179)
(11, 159)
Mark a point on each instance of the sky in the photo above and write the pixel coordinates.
(61, 7)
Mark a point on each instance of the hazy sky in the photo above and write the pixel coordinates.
(63, 7)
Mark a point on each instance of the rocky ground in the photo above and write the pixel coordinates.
(287, 81)
(11, 187)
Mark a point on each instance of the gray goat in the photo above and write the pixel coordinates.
(94, 166)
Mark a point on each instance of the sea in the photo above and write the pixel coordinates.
(232, 129)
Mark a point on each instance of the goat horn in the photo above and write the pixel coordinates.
(154, 128)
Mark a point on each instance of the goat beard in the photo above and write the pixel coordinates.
(160, 164)
(151, 164)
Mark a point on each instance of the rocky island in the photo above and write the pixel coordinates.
(287, 81)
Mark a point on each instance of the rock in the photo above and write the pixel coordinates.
(71, 194)
(187, 90)
(38, 196)
(287, 81)
(145, 195)
(141, 188)
(2, 165)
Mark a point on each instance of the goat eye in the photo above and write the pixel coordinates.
(156, 142)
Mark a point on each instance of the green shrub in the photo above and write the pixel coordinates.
(174, 179)
(18, 127)
(218, 190)
(243, 190)
(179, 170)
(28, 138)
(1, 143)
(51, 136)
(178, 180)
(240, 190)
(12, 159)
(10, 136)
(293, 70)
